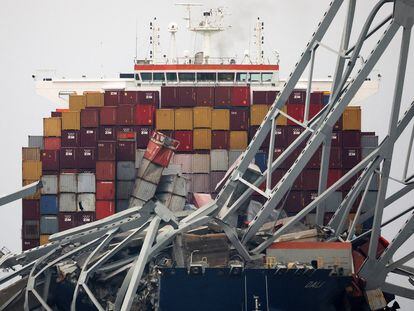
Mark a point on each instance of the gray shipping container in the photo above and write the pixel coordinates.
(173, 202)
(139, 155)
(50, 184)
(67, 202)
(369, 141)
(125, 170)
(189, 178)
(201, 183)
(149, 171)
(233, 156)
(86, 183)
(185, 161)
(172, 169)
(68, 182)
(36, 142)
(219, 160)
(201, 164)
(173, 184)
(144, 190)
(86, 202)
(124, 189)
(121, 205)
(49, 224)
(134, 202)
(215, 178)
(30, 229)
(366, 151)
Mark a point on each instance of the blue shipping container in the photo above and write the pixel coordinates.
(261, 160)
(49, 205)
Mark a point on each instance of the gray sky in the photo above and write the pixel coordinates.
(98, 38)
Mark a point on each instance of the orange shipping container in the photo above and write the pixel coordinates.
(220, 119)
(257, 114)
(184, 119)
(238, 140)
(35, 196)
(351, 119)
(71, 120)
(30, 154)
(32, 170)
(202, 139)
(282, 120)
(44, 239)
(202, 117)
(94, 99)
(77, 102)
(52, 127)
(164, 119)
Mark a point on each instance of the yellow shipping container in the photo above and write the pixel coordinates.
(35, 196)
(351, 119)
(257, 114)
(202, 139)
(71, 120)
(44, 239)
(32, 170)
(164, 119)
(52, 127)
(220, 119)
(282, 120)
(77, 102)
(94, 99)
(202, 117)
(238, 140)
(30, 154)
(183, 119)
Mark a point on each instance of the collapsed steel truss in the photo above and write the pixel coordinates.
(158, 227)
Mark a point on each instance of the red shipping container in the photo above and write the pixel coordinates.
(297, 97)
(277, 176)
(126, 132)
(129, 98)
(351, 139)
(336, 139)
(125, 150)
(240, 96)
(107, 115)
(70, 138)
(315, 161)
(187, 96)
(298, 184)
(51, 143)
(294, 202)
(338, 124)
(105, 170)
(292, 133)
(252, 133)
(83, 218)
(107, 133)
(157, 153)
(350, 157)
(205, 96)
(105, 190)
(333, 176)
(67, 220)
(143, 136)
(348, 185)
(260, 98)
(50, 160)
(87, 158)
(314, 109)
(335, 160)
(310, 179)
(31, 209)
(29, 244)
(169, 96)
(113, 97)
(316, 98)
(220, 139)
(278, 152)
(186, 140)
(125, 115)
(106, 150)
(292, 157)
(89, 117)
(308, 197)
(222, 96)
(295, 111)
(88, 137)
(149, 98)
(104, 209)
(144, 115)
(239, 119)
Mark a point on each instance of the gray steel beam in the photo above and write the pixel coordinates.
(397, 290)
(25, 191)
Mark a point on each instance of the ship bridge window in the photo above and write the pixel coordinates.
(241, 77)
(172, 77)
(137, 77)
(206, 77)
(226, 77)
(267, 76)
(255, 77)
(146, 76)
(186, 76)
(158, 77)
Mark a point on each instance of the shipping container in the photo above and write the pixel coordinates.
(369, 140)
(108, 115)
(202, 139)
(139, 156)
(183, 119)
(169, 96)
(297, 97)
(238, 139)
(201, 183)
(49, 204)
(350, 157)
(185, 161)
(125, 170)
(165, 119)
(219, 160)
(44, 239)
(31, 209)
(71, 120)
(315, 161)
(35, 142)
(175, 184)
(234, 155)
(67, 202)
(31, 229)
(86, 183)
(106, 151)
(29, 243)
(173, 202)
(292, 133)
(125, 115)
(186, 140)
(95, 99)
(314, 110)
(107, 133)
(52, 143)
(239, 119)
(104, 209)
(32, 170)
(50, 161)
(50, 184)
(133, 202)
(201, 163)
(122, 205)
(260, 160)
(77, 102)
(87, 158)
(351, 119)
(30, 154)
(282, 120)
(144, 115)
(105, 170)
(144, 190)
(187, 96)
(222, 96)
(67, 220)
(336, 140)
(202, 117)
(143, 136)
(52, 127)
(278, 152)
(220, 119)
(335, 159)
(205, 96)
(90, 118)
(149, 98)
(105, 190)
(220, 139)
(126, 132)
(333, 176)
(264, 97)
(85, 202)
(70, 138)
(68, 182)
(88, 137)
(124, 189)
(310, 179)
(351, 139)
(296, 111)
(316, 98)
(150, 171)
(294, 202)
(215, 178)
(113, 97)
(240, 96)
(125, 150)
(257, 114)
(129, 98)
(84, 218)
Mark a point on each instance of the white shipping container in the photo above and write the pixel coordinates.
(201, 183)
(219, 160)
(50, 184)
(201, 164)
(189, 178)
(144, 190)
(139, 155)
(173, 202)
(134, 202)
(172, 169)
(173, 184)
(86, 202)
(149, 171)
(234, 155)
(86, 183)
(68, 182)
(67, 202)
(185, 161)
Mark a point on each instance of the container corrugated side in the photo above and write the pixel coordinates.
(86, 183)
(85, 202)
(32, 154)
(219, 160)
(67, 202)
(201, 163)
(50, 184)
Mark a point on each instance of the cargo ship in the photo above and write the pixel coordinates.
(172, 132)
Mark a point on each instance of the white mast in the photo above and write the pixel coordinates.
(172, 57)
(154, 41)
(259, 41)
